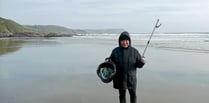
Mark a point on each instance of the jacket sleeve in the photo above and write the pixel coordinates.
(139, 63)
(112, 57)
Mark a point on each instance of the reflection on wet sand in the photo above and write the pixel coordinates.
(9, 46)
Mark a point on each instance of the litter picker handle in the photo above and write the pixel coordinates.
(156, 26)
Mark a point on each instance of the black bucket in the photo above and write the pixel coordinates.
(106, 71)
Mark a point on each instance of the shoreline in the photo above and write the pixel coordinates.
(185, 49)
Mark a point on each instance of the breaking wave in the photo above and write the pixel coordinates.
(198, 42)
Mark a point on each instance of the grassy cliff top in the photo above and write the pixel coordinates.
(9, 26)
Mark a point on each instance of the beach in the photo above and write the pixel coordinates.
(63, 70)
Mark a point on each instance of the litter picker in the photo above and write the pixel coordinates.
(156, 26)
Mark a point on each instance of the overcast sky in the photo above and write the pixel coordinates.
(131, 15)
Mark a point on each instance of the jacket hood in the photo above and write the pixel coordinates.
(124, 36)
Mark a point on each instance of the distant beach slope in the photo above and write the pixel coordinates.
(10, 28)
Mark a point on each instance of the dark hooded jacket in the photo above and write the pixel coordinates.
(126, 60)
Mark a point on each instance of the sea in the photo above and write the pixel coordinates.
(185, 41)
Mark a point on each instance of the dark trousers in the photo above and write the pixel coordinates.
(122, 95)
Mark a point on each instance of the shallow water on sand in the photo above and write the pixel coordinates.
(63, 70)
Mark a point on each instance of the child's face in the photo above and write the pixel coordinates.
(124, 43)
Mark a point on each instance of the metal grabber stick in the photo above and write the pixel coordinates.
(156, 26)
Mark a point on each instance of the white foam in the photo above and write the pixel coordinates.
(189, 41)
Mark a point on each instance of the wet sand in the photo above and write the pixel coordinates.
(66, 73)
